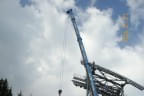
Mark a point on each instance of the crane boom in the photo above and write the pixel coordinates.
(84, 55)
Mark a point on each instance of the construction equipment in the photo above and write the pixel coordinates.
(90, 77)
(60, 92)
(108, 83)
(99, 81)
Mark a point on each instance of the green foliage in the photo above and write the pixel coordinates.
(4, 88)
(20, 94)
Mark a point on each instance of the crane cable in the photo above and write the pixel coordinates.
(63, 55)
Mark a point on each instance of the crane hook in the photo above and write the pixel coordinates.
(59, 92)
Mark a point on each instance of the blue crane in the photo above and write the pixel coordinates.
(90, 77)
(99, 80)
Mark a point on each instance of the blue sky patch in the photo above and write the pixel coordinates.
(25, 2)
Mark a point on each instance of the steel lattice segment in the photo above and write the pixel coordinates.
(104, 90)
(108, 82)
(99, 79)
(117, 76)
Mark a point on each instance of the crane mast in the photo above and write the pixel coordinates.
(90, 77)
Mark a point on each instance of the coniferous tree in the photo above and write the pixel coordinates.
(20, 94)
(4, 88)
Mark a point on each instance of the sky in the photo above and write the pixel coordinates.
(39, 52)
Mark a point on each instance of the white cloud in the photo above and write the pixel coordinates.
(101, 40)
(31, 44)
(93, 2)
(136, 11)
(15, 34)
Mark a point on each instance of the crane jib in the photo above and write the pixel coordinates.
(84, 55)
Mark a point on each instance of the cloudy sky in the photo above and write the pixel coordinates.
(38, 49)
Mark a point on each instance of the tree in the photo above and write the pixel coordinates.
(20, 94)
(4, 88)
